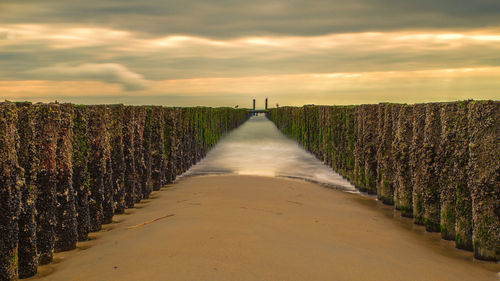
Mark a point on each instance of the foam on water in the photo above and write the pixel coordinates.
(258, 148)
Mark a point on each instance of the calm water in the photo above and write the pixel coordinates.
(258, 148)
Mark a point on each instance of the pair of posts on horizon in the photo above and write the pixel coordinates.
(253, 108)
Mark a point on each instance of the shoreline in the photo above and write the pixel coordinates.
(248, 216)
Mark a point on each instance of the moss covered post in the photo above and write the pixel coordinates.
(484, 180)
(401, 153)
(157, 148)
(379, 156)
(370, 139)
(96, 165)
(117, 157)
(47, 123)
(27, 159)
(395, 123)
(416, 165)
(140, 167)
(108, 204)
(386, 190)
(359, 159)
(177, 142)
(463, 204)
(431, 163)
(168, 147)
(11, 182)
(66, 233)
(146, 152)
(81, 178)
(128, 152)
(447, 180)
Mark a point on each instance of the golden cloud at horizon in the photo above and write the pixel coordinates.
(398, 66)
(325, 88)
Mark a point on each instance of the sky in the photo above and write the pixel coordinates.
(227, 52)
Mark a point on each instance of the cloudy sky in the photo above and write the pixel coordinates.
(225, 52)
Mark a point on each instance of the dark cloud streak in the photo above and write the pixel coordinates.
(233, 18)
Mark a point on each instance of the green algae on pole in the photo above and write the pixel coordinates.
(146, 152)
(463, 204)
(46, 124)
(168, 147)
(484, 180)
(348, 129)
(157, 141)
(432, 153)
(379, 155)
(386, 191)
(140, 116)
(128, 153)
(96, 165)
(395, 122)
(108, 204)
(370, 140)
(66, 234)
(401, 151)
(181, 152)
(416, 158)
(11, 182)
(117, 157)
(177, 142)
(359, 159)
(81, 177)
(447, 179)
(27, 159)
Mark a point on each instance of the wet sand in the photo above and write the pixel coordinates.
(261, 228)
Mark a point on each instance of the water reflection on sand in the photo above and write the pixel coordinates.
(259, 148)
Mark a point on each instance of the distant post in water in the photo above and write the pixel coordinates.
(254, 104)
(266, 103)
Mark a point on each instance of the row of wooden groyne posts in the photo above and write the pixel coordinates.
(438, 163)
(67, 169)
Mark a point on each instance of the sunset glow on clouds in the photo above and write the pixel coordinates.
(78, 61)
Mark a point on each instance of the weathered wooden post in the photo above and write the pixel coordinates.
(359, 159)
(117, 156)
(140, 167)
(66, 233)
(146, 152)
(157, 148)
(96, 165)
(386, 191)
(128, 152)
(11, 182)
(416, 159)
(484, 180)
(169, 157)
(46, 124)
(463, 224)
(379, 155)
(370, 140)
(81, 178)
(108, 205)
(432, 156)
(447, 179)
(27, 159)
(401, 151)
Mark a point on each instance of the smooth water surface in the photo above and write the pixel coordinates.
(258, 148)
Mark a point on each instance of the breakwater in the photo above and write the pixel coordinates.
(67, 169)
(438, 163)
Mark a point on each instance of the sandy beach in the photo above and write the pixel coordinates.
(234, 227)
